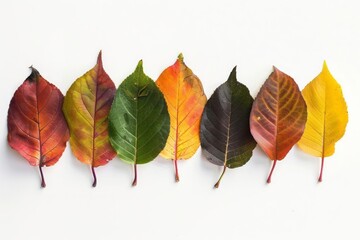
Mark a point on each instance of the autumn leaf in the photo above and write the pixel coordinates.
(185, 99)
(278, 116)
(138, 120)
(36, 125)
(225, 132)
(327, 116)
(86, 107)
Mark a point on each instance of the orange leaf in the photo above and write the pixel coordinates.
(185, 99)
(278, 116)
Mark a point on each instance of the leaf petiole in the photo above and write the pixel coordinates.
(176, 171)
(271, 171)
(43, 184)
(135, 176)
(222, 174)
(94, 175)
(321, 169)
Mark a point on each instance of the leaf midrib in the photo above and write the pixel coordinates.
(277, 117)
(177, 118)
(94, 120)
(136, 121)
(38, 122)
(228, 133)
(324, 122)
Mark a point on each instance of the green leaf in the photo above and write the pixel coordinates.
(139, 120)
(225, 132)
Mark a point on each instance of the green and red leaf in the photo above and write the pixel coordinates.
(86, 107)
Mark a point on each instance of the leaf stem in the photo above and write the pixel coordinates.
(94, 175)
(43, 184)
(176, 171)
(135, 176)
(222, 174)
(321, 169)
(271, 171)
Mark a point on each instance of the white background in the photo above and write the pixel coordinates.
(62, 39)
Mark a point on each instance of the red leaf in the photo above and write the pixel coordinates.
(278, 116)
(36, 125)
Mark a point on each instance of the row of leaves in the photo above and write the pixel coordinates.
(172, 117)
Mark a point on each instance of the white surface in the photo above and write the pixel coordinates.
(62, 39)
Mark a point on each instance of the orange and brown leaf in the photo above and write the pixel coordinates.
(36, 125)
(86, 107)
(185, 99)
(278, 115)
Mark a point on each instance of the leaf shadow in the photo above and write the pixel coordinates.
(82, 170)
(260, 162)
(211, 170)
(310, 161)
(122, 168)
(17, 167)
(166, 166)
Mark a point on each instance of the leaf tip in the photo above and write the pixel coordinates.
(324, 63)
(232, 76)
(277, 71)
(99, 59)
(140, 63)
(234, 70)
(325, 67)
(34, 76)
(139, 66)
(181, 57)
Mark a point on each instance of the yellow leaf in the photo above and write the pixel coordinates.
(327, 116)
